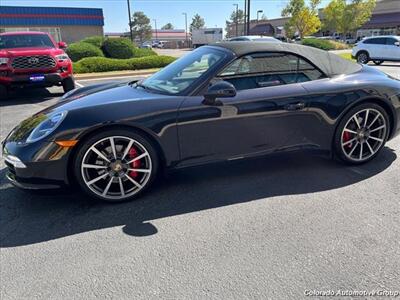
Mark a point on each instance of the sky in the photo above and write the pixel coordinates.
(214, 12)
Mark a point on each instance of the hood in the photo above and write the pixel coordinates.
(102, 94)
(30, 51)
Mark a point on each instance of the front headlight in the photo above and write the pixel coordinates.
(4, 60)
(47, 126)
(62, 57)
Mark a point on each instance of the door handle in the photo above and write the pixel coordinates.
(295, 106)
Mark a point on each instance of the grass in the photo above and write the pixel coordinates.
(347, 56)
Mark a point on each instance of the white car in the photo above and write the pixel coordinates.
(377, 49)
(255, 38)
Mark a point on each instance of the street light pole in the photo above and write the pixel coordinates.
(259, 12)
(155, 28)
(130, 20)
(248, 17)
(186, 32)
(245, 18)
(237, 17)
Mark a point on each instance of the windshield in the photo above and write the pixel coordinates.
(179, 75)
(25, 41)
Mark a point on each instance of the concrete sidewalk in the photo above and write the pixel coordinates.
(112, 74)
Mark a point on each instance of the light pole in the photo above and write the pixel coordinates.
(248, 16)
(130, 20)
(237, 17)
(186, 32)
(155, 28)
(259, 12)
(245, 18)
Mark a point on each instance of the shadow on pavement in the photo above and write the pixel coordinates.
(29, 96)
(27, 218)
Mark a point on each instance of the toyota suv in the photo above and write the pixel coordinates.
(377, 49)
(33, 59)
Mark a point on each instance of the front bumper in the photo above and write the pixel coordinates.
(42, 165)
(24, 80)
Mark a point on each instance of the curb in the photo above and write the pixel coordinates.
(114, 74)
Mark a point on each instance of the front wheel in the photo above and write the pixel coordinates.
(3, 92)
(68, 84)
(361, 133)
(115, 165)
(362, 57)
(378, 62)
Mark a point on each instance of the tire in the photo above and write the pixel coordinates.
(362, 57)
(364, 129)
(117, 182)
(68, 84)
(3, 92)
(378, 62)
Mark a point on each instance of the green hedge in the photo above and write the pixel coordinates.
(102, 64)
(318, 43)
(324, 44)
(96, 41)
(121, 48)
(141, 52)
(77, 51)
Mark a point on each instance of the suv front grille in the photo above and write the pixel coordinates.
(33, 62)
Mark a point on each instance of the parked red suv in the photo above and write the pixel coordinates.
(29, 59)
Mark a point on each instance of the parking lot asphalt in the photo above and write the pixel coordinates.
(267, 228)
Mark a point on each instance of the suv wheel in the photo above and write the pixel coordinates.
(68, 84)
(3, 92)
(378, 62)
(362, 57)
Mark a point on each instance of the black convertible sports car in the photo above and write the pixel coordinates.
(222, 102)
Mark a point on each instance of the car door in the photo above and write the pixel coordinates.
(376, 47)
(268, 112)
(392, 50)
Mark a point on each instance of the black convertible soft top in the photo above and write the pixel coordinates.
(329, 63)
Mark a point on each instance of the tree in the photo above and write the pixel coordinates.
(167, 26)
(345, 18)
(141, 27)
(197, 22)
(303, 19)
(233, 20)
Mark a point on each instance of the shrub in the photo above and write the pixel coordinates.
(77, 51)
(102, 64)
(95, 41)
(324, 44)
(141, 52)
(317, 43)
(118, 48)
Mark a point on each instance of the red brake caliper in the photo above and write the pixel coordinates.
(134, 165)
(347, 137)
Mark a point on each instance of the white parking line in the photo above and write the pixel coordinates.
(78, 84)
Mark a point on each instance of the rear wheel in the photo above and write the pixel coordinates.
(3, 92)
(116, 165)
(68, 84)
(362, 133)
(378, 62)
(362, 57)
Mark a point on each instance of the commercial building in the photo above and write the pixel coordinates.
(63, 23)
(272, 27)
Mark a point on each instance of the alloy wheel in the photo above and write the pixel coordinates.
(362, 58)
(363, 135)
(116, 167)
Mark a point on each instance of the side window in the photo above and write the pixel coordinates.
(390, 41)
(376, 41)
(269, 69)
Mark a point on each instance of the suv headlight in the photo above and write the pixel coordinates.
(62, 57)
(4, 60)
(47, 126)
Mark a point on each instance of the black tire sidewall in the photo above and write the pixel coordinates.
(87, 143)
(339, 129)
(3, 92)
(68, 84)
(378, 62)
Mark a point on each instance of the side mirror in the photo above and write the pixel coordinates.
(62, 45)
(220, 89)
(397, 44)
